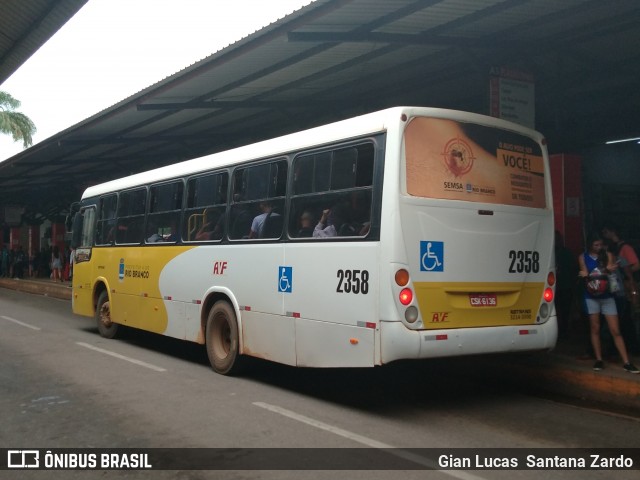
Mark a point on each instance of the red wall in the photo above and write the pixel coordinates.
(566, 182)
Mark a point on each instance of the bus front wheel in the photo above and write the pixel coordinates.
(106, 327)
(222, 341)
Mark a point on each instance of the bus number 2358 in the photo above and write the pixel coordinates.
(526, 261)
(353, 281)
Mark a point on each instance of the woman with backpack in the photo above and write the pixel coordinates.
(595, 266)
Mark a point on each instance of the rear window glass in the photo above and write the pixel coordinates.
(463, 161)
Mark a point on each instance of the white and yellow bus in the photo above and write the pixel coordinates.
(407, 233)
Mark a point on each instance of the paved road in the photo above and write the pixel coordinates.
(63, 386)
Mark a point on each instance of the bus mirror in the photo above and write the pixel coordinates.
(68, 221)
(76, 230)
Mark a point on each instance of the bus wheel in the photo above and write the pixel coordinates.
(222, 339)
(106, 327)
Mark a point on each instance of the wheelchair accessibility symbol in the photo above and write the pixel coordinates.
(432, 256)
(285, 279)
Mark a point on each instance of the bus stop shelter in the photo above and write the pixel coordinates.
(570, 69)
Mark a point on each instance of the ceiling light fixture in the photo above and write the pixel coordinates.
(633, 139)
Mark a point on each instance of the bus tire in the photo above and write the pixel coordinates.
(222, 339)
(106, 327)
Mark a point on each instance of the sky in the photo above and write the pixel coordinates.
(112, 49)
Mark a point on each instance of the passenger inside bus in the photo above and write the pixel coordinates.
(211, 228)
(240, 219)
(272, 227)
(258, 224)
(162, 231)
(306, 224)
(334, 222)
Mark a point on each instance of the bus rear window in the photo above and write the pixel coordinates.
(462, 161)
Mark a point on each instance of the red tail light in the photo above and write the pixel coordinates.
(548, 295)
(406, 296)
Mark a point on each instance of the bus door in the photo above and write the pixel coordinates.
(82, 239)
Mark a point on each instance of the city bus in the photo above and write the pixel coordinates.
(407, 233)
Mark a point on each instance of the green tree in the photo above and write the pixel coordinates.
(13, 123)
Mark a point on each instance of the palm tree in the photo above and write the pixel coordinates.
(13, 123)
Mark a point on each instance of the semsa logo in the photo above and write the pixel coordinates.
(458, 157)
(455, 186)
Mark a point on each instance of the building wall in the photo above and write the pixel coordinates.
(611, 180)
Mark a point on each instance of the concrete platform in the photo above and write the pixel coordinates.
(38, 286)
(566, 372)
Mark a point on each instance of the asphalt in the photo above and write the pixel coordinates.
(565, 373)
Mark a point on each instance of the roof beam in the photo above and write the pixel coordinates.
(133, 140)
(221, 104)
(422, 39)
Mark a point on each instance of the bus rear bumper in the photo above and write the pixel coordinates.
(398, 342)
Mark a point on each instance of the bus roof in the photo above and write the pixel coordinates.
(342, 130)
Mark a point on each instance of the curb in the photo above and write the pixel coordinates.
(554, 374)
(61, 291)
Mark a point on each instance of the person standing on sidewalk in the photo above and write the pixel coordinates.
(627, 299)
(4, 262)
(19, 262)
(56, 264)
(596, 263)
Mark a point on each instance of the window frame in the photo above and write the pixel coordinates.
(102, 221)
(282, 193)
(222, 207)
(369, 229)
(142, 215)
(174, 215)
(239, 218)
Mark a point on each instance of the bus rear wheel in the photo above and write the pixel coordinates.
(222, 339)
(106, 327)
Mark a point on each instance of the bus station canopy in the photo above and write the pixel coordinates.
(338, 58)
(26, 25)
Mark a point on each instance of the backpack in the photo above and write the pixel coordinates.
(597, 284)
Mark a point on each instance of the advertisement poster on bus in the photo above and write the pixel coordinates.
(464, 161)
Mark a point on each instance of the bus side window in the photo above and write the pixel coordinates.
(83, 229)
(364, 167)
(131, 210)
(258, 201)
(205, 211)
(312, 173)
(165, 204)
(333, 192)
(343, 169)
(106, 224)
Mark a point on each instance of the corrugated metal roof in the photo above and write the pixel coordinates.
(26, 25)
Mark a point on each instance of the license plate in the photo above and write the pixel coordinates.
(483, 299)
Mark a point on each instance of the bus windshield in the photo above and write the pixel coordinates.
(452, 160)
